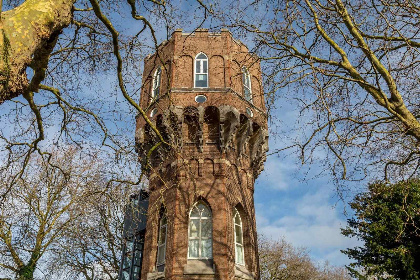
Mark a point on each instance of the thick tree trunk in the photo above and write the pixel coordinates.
(26, 273)
(27, 35)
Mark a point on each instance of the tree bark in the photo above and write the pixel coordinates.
(27, 35)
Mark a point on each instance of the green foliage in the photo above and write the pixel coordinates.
(387, 220)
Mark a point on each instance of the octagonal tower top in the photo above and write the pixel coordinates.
(203, 90)
(213, 65)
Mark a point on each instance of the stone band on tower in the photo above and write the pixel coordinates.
(202, 91)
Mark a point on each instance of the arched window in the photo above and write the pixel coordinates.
(239, 241)
(156, 83)
(200, 232)
(163, 225)
(246, 80)
(201, 71)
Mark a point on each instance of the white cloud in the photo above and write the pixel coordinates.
(277, 174)
(308, 222)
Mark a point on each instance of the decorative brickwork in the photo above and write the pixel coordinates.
(218, 142)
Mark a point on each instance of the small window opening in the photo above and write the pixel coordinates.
(156, 83)
(246, 79)
(163, 226)
(201, 71)
(239, 242)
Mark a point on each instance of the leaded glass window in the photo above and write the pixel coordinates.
(246, 79)
(201, 71)
(239, 242)
(200, 232)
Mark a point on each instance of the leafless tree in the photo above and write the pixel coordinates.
(279, 260)
(43, 204)
(91, 248)
(352, 67)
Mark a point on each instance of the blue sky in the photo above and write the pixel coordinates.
(293, 203)
(300, 203)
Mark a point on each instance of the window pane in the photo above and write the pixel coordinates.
(157, 79)
(237, 219)
(239, 254)
(126, 262)
(130, 245)
(206, 250)
(247, 79)
(137, 258)
(156, 93)
(194, 226)
(205, 66)
(195, 212)
(206, 228)
(193, 248)
(200, 80)
(201, 207)
(205, 212)
(125, 275)
(247, 94)
(156, 83)
(161, 254)
(162, 235)
(163, 221)
(197, 66)
(202, 56)
(135, 272)
(238, 234)
(129, 253)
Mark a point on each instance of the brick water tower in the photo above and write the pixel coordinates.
(202, 91)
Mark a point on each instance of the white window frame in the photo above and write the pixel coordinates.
(157, 79)
(236, 243)
(246, 77)
(162, 245)
(203, 70)
(200, 238)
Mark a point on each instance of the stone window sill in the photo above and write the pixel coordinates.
(242, 273)
(155, 275)
(201, 267)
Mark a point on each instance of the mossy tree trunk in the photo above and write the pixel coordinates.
(26, 273)
(28, 34)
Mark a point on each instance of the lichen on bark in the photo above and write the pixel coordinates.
(26, 32)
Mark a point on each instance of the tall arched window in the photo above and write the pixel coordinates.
(156, 83)
(246, 80)
(200, 232)
(201, 71)
(163, 226)
(239, 241)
